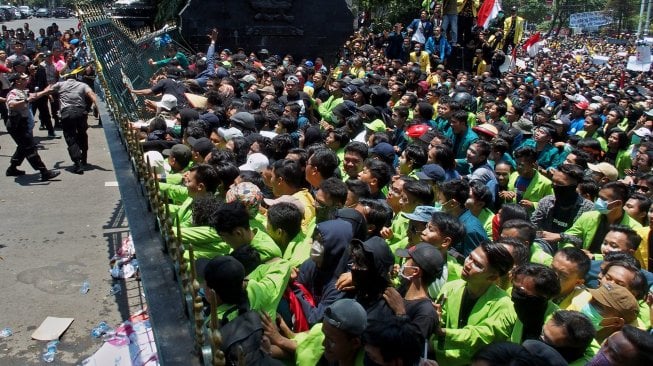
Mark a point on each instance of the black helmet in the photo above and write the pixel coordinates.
(466, 100)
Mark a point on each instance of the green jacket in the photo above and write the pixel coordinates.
(183, 60)
(298, 250)
(326, 108)
(491, 320)
(596, 136)
(310, 348)
(205, 241)
(539, 256)
(265, 246)
(623, 162)
(399, 229)
(266, 285)
(583, 230)
(454, 270)
(518, 330)
(539, 187)
(184, 212)
(547, 158)
(176, 193)
(485, 217)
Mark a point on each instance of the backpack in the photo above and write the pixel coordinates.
(242, 340)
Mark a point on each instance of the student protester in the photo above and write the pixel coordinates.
(571, 265)
(572, 335)
(475, 312)
(627, 347)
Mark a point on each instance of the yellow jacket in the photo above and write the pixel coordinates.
(423, 61)
(519, 28)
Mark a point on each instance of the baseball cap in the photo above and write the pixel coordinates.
(350, 89)
(168, 102)
(431, 172)
(347, 315)
(376, 126)
(582, 105)
(180, 152)
(545, 353)
(344, 109)
(426, 256)
(285, 198)
(415, 131)
(421, 213)
(524, 125)
(380, 252)
(618, 299)
(606, 169)
(229, 133)
(246, 193)
(256, 162)
(384, 150)
(202, 145)
(243, 120)
(253, 97)
(249, 78)
(368, 109)
(292, 79)
(486, 129)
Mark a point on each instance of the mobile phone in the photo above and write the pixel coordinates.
(441, 299)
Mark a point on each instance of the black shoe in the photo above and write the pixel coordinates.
(78, 169)
(42, 128)
(49, 174)
(53, 135)
(12, 171)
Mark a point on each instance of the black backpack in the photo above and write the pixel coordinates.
(242, 339)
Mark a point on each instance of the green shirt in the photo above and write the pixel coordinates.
(265, 246)
(266, 285)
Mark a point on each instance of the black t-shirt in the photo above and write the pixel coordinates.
(466, 305)
(171, 86)
(601, 230)
(423, 315)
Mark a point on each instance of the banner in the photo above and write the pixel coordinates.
(642, 59)
(591, 19)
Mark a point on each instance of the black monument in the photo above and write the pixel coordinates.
(302, 28)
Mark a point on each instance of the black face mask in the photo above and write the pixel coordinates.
(565, 194)
(570, 354)
(530, 309)
(366, 283)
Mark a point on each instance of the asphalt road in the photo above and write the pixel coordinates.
(53, 236)
(36, 23)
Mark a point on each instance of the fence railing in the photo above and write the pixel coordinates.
(121, 53)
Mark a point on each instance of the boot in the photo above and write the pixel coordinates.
(13, 171)
(49, 174)
(78, 169)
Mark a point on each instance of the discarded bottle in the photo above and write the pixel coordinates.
(50, 351)
(115, 289)
(101, 329)
(6, 332)
(85, 287)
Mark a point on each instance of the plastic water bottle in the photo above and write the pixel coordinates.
(85, 287)
(51, 350)
(6, 332)
(101, 329)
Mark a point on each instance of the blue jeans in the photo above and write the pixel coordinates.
(451, 20)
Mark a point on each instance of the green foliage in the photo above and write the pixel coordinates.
(385, 13)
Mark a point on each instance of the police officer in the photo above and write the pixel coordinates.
(17, 125)
(76, 100)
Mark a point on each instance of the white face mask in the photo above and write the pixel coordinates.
(403, 268)
(317, 252)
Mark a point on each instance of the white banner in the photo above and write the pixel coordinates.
(591, 19)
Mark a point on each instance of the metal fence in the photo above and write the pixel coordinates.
(121, 53)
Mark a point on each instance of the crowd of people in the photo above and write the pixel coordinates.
(409, 203)
(49, 74)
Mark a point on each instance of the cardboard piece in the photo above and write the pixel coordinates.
(196, 101)
(52, 328)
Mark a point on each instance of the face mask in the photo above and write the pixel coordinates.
(601, 206)
(529, 309)
(317, 253)
(285, 63)
(437, 206)
(595, 317)
(599, 360)
(402, 269)
(565, 194)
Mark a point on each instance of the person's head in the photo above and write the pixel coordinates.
(413, 157)
(377, 215)
(284, 222)
(343, 325)
(579, 157)
(502, 170)
(287, 177)
(603, 173)
(201, 179)
(611, 307)
(356, 190)
(612, 197)
(592, 123)
(478, 152)
(330, 196)
(526, 159)
(453, 195)
(376, 174)
(522, 230)
(458, 121)
(336, 139)
(370, 264)
(569, 332)
(620, 238)
(320, 166)
(571, 265)
(628, 347)
(534, 280)
(479, 197)
(487, 263)
(354, 158)
(637, 207)
(502, 353)
(415, 193)
(624, 274)
(443, 231)
(393, 342)
(231, 222)
(225, 275)
(424, 263)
